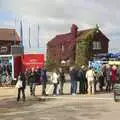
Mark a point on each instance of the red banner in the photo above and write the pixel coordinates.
(33, 60)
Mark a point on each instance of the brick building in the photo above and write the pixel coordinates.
(63, 46)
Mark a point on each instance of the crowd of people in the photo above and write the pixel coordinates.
(84, 80)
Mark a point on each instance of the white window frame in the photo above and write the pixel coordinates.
(96, 45)
(3, 49)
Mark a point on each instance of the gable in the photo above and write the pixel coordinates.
(85, 34)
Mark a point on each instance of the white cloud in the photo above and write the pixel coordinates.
(56, 16)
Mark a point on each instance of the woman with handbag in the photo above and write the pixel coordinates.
(21, 84)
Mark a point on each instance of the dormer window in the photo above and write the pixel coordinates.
(96, 45)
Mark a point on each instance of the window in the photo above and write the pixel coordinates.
(62, 48)
(3, 49)
(96, 45)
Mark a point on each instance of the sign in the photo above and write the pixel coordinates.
(17, 50)
(114, 62)
(33, 60)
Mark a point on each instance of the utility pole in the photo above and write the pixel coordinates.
(29, 36)
(38, 36)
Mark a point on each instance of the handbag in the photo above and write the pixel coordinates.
(19, 84)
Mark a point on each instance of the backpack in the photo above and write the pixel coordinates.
(80, 74)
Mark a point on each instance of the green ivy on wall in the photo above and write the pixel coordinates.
(83, 52)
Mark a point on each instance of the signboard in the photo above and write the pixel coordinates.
(17, 50)
(33, 60)
(114, 62)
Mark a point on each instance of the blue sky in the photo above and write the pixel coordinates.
(56, 16)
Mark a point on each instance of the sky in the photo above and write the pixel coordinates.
(57, 16)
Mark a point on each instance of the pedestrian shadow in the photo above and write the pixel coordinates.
(103, 92)
(8, 103)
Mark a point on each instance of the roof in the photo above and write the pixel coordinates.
(8, 34)
(83, 34)
(61, 38)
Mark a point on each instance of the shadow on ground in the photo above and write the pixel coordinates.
(6, 104)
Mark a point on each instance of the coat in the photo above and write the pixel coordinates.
(32, 77)
(54, 78)
(114, 75)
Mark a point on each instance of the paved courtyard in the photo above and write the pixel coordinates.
(66, 107)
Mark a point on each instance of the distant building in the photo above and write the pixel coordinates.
(63, 47)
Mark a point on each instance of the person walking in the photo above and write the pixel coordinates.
(44, 81)
(38, 72)
(32, 82)
(81, 81)
(108, 78)
(21, 84)
(54, 79)
(73, 80)
(100, 80)
(84, 77)
(61, 80)
(114, 75)
(27, 74)
(90, 78)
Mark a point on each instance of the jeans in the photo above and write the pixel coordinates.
(32, 88)
(55, 89)
(44, 88)
(61, 87)
(19, 93)
(73, 86)
(81, 86)
(108, 86)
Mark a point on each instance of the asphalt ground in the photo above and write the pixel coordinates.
(100, 106)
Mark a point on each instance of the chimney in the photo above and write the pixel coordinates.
(74, 29)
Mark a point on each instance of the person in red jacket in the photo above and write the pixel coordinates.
(114, 75)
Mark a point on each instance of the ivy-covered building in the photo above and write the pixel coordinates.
(76, 47)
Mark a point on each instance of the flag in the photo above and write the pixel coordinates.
(21, 34)
(29, 37)
(38, 35)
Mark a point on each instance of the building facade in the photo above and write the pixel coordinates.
(68, 47)
(8, 37)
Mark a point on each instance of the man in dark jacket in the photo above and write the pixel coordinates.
(32, 82)
(81, 81)
(21, 77)
(44, 80)
(38, 75)
(73, 79)
(108, 74)
(61, 80)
